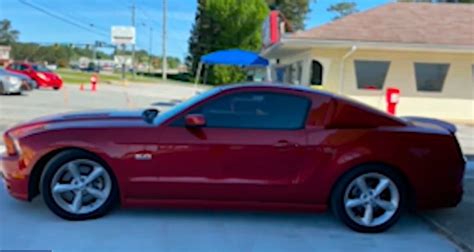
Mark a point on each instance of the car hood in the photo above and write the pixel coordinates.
(85, 119)
(21, 76)
(50, 75)
(10, 73)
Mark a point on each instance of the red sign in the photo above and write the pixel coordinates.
(274, 26)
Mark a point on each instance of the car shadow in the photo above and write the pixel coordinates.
(37, 211)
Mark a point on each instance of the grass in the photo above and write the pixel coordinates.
(76, 77)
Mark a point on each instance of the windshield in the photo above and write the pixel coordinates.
(40, 68)
(185, 104)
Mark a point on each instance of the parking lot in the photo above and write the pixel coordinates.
(33, 226)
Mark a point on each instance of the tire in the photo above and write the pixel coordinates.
(77, 185)
(56, 88)
(376, 210)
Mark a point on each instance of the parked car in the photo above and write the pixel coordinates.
(28, 84)
(10, 83)
(251, 146)
(43, 76)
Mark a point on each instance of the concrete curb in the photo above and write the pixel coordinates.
(458, 243)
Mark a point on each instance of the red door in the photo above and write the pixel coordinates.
(252, 149)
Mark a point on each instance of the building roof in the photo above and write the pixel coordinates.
(418, 23)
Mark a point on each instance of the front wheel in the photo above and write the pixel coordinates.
(369, 198)
(76, 185)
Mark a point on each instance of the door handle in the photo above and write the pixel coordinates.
(284, 144)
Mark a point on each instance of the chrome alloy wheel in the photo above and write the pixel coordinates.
(371, 199)
(81, 186)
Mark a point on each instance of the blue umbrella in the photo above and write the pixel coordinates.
(234, 57)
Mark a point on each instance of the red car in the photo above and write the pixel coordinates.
(42, 75)
(267, 147)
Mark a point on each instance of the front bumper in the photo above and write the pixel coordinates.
(15, 178)
(49, 83)
(11, 88)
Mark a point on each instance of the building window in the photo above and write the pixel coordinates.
(316, 73)
(430, 77)
(371, 74)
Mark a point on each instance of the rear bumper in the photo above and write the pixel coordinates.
(10, 88)
(15, 179)
(448, 199)
(446, 192)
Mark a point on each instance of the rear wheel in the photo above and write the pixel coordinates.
(369, 198)
(76, 185)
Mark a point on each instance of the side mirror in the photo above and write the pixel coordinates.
(195, 121)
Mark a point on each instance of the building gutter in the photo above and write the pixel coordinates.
(342, 67)
(420, 47)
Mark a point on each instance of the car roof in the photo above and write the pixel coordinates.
(276, 85)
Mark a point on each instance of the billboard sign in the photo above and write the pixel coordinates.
(123, 35)
(5, 52)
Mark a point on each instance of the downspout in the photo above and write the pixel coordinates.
(341, 69)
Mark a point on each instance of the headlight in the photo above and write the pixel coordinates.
(43, 76)
(13, 80)
(12, 145)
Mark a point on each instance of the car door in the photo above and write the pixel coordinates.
(252, 148)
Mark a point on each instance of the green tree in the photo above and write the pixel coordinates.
(294, 11)
(8, 36)
(343, 9)
(225, 24)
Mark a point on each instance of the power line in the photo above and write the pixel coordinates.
(68, 21)
(78, 18)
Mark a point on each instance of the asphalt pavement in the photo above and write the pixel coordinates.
(32, 226)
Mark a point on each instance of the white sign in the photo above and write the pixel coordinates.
(123, 35)
(5, 52)
(123, 59)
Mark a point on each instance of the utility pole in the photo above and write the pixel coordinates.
(150, 50)
(94, 55)
(164, 62)
(133, 45)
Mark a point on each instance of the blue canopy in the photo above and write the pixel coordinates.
(234, 57)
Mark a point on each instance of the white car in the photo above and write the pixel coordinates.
(10, 83)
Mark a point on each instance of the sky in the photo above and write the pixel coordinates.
(35, 26)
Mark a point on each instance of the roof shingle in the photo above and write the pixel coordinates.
(422, 23)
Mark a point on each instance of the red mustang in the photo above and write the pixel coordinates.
(243, 146)
(42, 75)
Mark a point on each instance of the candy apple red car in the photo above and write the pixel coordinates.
(42, 75)
(272, 147)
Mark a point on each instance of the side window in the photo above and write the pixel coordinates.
(316, 73)
(14, 67)
(23, 67)
(430, 77)
(256, 110)
(371, 74)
